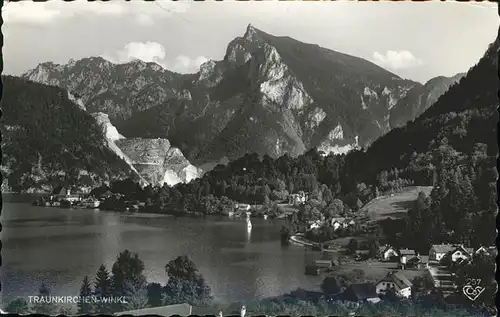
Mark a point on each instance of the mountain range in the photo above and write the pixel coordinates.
(270, 95)
(420, 98)
(463, 117)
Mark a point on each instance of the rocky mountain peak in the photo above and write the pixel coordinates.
(251, 33)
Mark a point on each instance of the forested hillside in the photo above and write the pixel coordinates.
(48, 140)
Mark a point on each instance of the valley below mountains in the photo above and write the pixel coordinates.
(270, 95)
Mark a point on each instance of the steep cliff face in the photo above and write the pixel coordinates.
(274, 95)
(154, 160)
(157, 162)
(118, 90)
(420, 98)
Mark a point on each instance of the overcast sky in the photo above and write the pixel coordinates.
(414, 40)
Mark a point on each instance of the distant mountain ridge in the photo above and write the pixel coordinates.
(275, 95)
(270, 95)
(420, 98)
(464, 116)
(118, 90)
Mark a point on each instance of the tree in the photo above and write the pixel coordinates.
(44, 308)
(85, 307)
(17, 306)
(138, 299)
(423, 283)
(128, 276)
(185, 283)
(331, 286)
(373, 249)
(102, 288)
(352, 246)
(154, 294)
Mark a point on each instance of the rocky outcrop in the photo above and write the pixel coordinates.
(154, 160)
(157, 162)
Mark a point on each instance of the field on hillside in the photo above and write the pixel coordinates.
(394, 206)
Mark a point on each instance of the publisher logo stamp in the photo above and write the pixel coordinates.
(472, 290)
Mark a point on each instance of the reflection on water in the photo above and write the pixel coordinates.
(249, 230)
(61, 246)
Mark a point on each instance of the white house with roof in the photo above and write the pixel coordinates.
(387, 252)
(395, 281)
(297, 199)
(338, 222)
(457, 253)
(242, 207)
(485, 250)
(315, 224)
(438, 251)
(460, 253)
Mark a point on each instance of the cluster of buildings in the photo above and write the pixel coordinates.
(437, 263)
(63, 197)
(394, 282)
(335, 223)
(443, 256)
(298, 199)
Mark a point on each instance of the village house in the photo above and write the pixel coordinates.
(388, 252)
(341, 222)
(404, 255)
(438, 251)
(417, 261)
(457, 253)
(485, 250)
(64, 194)
(242, 207)
(315, 224)
(297, 199)
(460, 253)
(338, 222)
(360, 293)
(396, 281)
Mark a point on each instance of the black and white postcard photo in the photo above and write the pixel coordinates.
(249, 158)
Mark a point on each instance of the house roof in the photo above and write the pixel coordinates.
(491, 250)
(385, 248)
(424, 259)
(443, 248)
(178, 309)
(363, 291)
(462, 248)
(397, 278)
(339, 219)
(407, 252)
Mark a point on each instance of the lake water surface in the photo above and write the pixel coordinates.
(61, 246)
